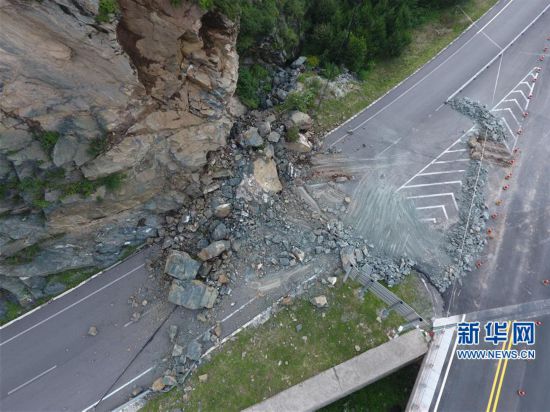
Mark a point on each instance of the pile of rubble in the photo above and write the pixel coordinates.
(488, 125)
(466, 239)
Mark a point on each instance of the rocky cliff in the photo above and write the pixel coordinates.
(103, 126)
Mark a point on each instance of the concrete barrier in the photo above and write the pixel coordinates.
(348, 377)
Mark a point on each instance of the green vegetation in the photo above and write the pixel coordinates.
(252, 82)
(440, 26)
(293, 134)
(368, 37)
(98, 146)
(388, 394)
(47, 139)
(24, 255)
(262, 361)
(105, 10)
(32, 189)
(13, 310)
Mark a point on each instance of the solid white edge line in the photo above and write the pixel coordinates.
(119, 388)
(71, 305)
(447, 370)
(471, 79)
(32, 380)
(72, 289)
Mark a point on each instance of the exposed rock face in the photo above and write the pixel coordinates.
(155, 86)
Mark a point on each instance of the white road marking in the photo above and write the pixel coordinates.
(454, 182)
(422, 79)
(456, 150)
(119, 389)
(522, 94)
(441, 173)
(437, 195)
(471, 79)
(512, 100)
(429, 219)
(238, 310)
(511, 112)
(451, 161)
(72, 305)
(435, 207)
(447, 370)
(32, 380)
(496, 80)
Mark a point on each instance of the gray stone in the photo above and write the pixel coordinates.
(301, 145)
(220, 232)
(264, 128)
(251, 138)
(192, 295)
(214, 250)
(274, 137)
(194, 351)
(181, 266)
(300, 120)
(172, 332)
(54, 288)
(300, 61)
(222, 210)
(177, 351)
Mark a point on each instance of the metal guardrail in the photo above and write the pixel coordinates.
(388, 297)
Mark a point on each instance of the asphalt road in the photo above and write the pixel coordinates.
(49, 362)
(517, 259)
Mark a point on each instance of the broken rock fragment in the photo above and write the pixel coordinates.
(265, 174)
(301, 145)
(214, 249)
(300, 120)
(223, 210)
(181, 266)
(194, 350)
(320, 301)
(192, 295)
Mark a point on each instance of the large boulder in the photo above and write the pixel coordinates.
(192, 295)
(300, 120)
(214, 249)
(265, 173)
(181, 266)
(301, 145)
(251, 138)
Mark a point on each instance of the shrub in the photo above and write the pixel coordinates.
(312, 62)
(293, 134)
(253, 81)
(105, 9)
(98, 146)
(47, 139)
(113, 181)
(302, 101)
(330, 71)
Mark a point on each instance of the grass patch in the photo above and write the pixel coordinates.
(439, 29)
(13, 311)
(47, 139)
(98, 146)
(105, 10)
(388, 394)
(261, 362)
